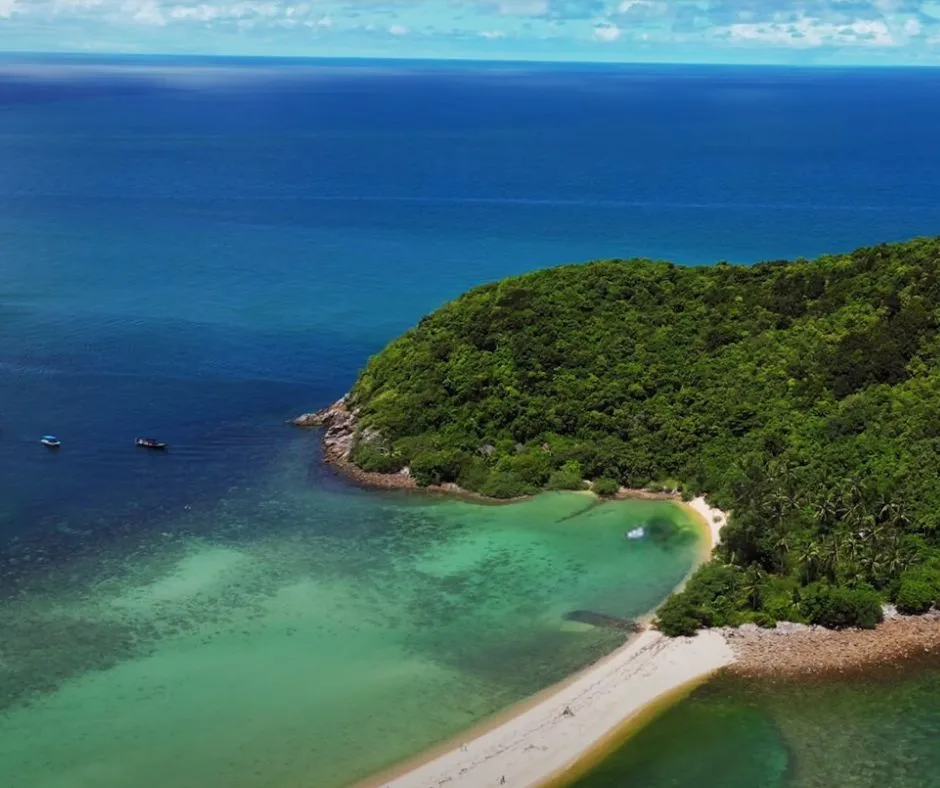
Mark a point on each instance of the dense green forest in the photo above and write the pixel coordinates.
(802, 396)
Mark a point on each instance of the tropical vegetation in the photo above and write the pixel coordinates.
(804, 397)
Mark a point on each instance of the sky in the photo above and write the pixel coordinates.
(811, 32)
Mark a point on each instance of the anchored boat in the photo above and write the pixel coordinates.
(150, 443)
(51, 441)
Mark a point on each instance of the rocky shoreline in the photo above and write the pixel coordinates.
(792, 650)
(340, 424)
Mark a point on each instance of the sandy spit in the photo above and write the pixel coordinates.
(547, 738)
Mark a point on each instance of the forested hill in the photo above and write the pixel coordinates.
(803, 396)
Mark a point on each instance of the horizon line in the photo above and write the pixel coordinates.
(22, 54)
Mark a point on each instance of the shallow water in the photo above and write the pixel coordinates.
(313, 636)
(869, 731)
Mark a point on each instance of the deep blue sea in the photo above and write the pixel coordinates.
(199, 249)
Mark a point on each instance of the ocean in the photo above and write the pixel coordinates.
(197, 249)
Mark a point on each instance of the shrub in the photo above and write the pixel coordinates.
(502, 484)
(710, 599)
(764, 620)
(376, 459)
(679, 616)
(915, 594)
(779, 600)
(606, 487)
(438, 467)
(474, 474)
(532, 465)
(568, 477)
(838, 607)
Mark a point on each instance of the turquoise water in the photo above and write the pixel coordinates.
(865, 731)
(288, 635)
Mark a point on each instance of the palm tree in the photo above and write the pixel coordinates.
(753, 586)
(830, 558)
(827, 512)
(810, 558)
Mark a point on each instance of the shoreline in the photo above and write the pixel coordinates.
(542, 737)
(340, 425)
(542, 742)
(798, 650)
(536, 742)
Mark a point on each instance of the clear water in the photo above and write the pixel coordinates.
(197, 250)
(862, 732)
(289, 635)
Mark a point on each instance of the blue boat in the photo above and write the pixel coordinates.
(51, 441)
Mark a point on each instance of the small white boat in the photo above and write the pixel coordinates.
(51, 441)
(636, 533)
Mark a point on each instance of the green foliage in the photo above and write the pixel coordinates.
(710, 599)
(474, 474)
(803, 397)
(679, 616)
(779, 599)
(531, 465)
(837, 607)
(915, 596)
(438, 467)
(375, 459)
(606, 487)
(502, 484)
(918, 590)
(568, 477)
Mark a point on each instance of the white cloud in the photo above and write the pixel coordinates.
(808, 32)
(196, 13)
(145, 12)
(910, 27)
(607, 32)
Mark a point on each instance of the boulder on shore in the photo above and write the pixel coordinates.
(341, 427)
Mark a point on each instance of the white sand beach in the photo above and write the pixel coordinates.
(545, 739)
(715, 518)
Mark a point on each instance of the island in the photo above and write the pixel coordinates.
(803, 397)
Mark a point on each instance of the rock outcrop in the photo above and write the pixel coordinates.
(341, 433)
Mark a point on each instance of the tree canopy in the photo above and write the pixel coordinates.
(802, 396)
